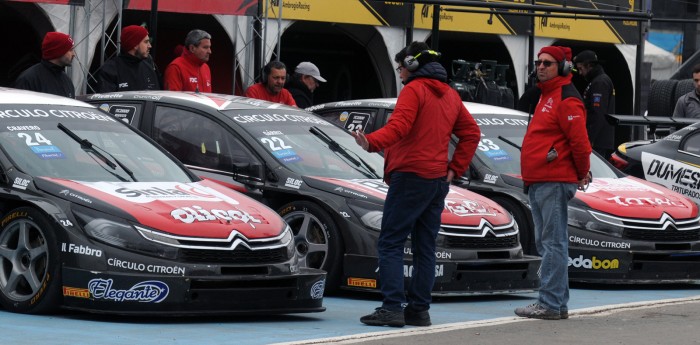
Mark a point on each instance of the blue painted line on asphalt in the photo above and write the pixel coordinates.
(340, 319)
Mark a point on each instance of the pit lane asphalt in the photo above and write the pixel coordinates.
(340, 322)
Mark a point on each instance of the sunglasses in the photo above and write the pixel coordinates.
(544, 62)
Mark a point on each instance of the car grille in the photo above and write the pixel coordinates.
(483, 236)
(235, 249)
(663, 229)
(664, 235)
(239, 255)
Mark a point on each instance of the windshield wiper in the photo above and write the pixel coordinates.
(510, 142)
(88, 146)
(336, 147)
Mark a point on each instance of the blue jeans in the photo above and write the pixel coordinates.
(413, 206)
(549, 202)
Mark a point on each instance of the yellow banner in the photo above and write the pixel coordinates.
(336, 11)
(461, 21)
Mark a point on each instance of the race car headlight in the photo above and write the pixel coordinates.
(288, 238)
(370, 214)
(119, 233)
(595, 221)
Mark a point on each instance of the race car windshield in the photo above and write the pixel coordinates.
(287, 136)
(501, 138)
(38, 147)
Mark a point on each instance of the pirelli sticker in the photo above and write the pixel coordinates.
(363, 282)
(677, 176)
(76, 292)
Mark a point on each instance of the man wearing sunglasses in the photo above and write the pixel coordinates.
(555, 161)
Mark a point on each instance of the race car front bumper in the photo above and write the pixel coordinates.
(453, 277)
(168, 295)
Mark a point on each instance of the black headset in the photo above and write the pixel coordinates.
(268, 68)
(412, 63)
(565, 67)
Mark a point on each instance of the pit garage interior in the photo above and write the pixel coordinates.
(354, 59)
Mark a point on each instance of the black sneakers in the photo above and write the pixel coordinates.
(416, 318)
(384, 317)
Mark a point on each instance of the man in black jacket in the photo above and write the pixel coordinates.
(599, 99)
(49, 75)
(133, 69)
(303, 83)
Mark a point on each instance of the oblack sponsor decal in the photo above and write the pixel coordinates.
(463, 208)
(199, 214)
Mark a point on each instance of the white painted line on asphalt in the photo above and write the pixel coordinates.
(405, 332)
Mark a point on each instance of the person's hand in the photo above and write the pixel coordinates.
(584, 182)
(361, 139)
(450, 175)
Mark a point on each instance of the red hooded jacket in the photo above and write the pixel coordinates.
(417, 136)
(187, 73)
(559, 121)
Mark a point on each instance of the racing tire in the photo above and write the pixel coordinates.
(526, 230)
(30, 269)
(684, 86)
(317, 238)
(661, 101)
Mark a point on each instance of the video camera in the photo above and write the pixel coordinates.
(482, 82)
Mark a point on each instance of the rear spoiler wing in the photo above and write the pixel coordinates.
(653, 122)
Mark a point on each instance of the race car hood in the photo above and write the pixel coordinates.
(462, 207)
(635, 198)
(196, 209)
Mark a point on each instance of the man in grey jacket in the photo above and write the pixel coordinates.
(688, 105)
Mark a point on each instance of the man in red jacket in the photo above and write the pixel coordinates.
(555, 160)
(190, 72)
(418, 170)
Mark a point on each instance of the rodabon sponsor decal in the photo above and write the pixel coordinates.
(145, 192)
(677, 176)
(594, 263)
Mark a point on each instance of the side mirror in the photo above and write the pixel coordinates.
(252, 174)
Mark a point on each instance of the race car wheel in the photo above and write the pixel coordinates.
(527, 235)
(29, 263)
(317, 239)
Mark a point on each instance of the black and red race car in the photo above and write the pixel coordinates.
(95, 216)
(327, 188)
(621, 229)
(671, 160)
